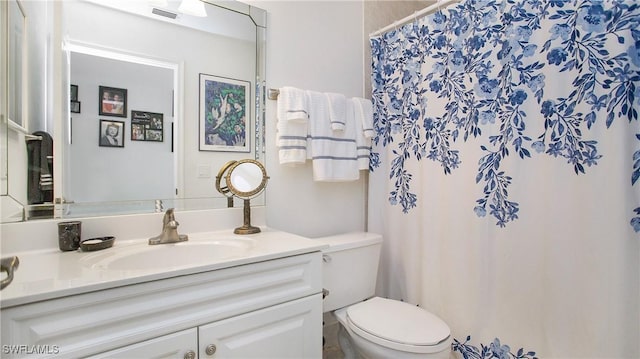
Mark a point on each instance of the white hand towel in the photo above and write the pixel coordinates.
(363, 137)
(364, 130)
(292, 105)
(292, 126)
(366, 107)
(337, 110)
(334, 153)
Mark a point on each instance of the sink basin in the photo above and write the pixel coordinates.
(167, 256)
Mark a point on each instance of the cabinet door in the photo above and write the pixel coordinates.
(288, 330)
(182, 345)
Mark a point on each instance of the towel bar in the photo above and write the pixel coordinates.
(28, 137)
(273, 94)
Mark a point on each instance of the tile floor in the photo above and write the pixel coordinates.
(331, 348)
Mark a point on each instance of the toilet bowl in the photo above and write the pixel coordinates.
(374, 327)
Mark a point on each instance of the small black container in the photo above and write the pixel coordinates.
(69, 234)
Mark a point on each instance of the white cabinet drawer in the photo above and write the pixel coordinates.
(96, 322)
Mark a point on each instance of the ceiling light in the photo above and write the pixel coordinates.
(160, 3)
(192, 7)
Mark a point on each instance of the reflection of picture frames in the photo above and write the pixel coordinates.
(147, 126)
(111, 133)
(75, 106)
(113, 101)
(224, 114)
(73, 97)
(74, 93)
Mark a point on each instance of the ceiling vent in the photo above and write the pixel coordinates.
(164, 13)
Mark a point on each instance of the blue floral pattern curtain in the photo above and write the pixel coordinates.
(485, 63)
(505, 174)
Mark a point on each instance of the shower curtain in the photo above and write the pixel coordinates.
(505, 174)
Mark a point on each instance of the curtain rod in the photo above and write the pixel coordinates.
(427, 10)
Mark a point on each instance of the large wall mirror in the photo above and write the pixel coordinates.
(182, 93)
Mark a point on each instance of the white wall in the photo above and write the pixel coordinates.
(313, 45)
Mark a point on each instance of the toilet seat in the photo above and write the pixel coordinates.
(398, 325)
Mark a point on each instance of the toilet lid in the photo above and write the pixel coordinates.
(399, 325)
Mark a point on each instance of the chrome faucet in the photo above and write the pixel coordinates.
(9, 265)
(169, 230)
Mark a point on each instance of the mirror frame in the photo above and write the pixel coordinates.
(12, 202)
(246, 194)
(60, 109)
(224, 190)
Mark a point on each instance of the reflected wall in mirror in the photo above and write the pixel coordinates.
(4, 85)
(109, 169)
(128, 44)
(16, 57)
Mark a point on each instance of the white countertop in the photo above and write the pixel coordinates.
(50, 273)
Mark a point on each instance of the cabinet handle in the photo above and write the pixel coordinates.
(211, 349)
(190, 355)
(326, 258)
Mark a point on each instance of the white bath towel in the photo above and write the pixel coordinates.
(333, 153)
(337, 110)
(292, 126)
(364, 130)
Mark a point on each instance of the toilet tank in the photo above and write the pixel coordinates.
(350, 268)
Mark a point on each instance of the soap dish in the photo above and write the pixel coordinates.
(96, 244)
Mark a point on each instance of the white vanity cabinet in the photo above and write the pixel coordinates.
(269, 309)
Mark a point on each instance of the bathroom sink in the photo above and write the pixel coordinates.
(167, 256)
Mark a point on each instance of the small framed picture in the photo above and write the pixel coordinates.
(75, 106)
(224, 114)
(147, 126)
(74, 93)
(111, 133)
(113, 101)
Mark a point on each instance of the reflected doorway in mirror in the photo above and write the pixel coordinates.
(224, 114)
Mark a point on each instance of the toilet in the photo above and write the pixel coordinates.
(373, 327)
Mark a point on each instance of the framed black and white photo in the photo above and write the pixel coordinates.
(224, 114)
(75, 106)
(113, 101)
(73, 94)
(147, 126)
(111, 133)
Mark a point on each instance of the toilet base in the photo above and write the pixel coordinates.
(345, 344)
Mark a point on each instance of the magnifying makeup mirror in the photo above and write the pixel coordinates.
(221, 183)
(244, 179)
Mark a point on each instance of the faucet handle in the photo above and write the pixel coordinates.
(168, 217)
